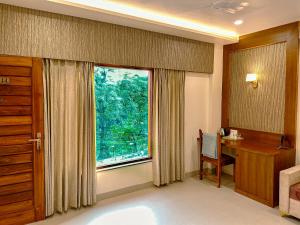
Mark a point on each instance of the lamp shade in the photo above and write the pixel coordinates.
(251, 77)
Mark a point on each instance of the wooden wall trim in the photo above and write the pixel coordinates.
(291, 84)
(38, 117)
(227, 49)
(267, 37)
(288, 33)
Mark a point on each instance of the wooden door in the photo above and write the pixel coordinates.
(255, 175)
(21, 156)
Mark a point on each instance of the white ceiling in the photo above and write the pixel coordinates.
(259, 15)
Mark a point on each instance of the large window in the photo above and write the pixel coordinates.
(122, 115)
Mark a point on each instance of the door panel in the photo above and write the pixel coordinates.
(15, 90)
(15, 110)
(15, 179)
(15, 71)
(15, 130)
(19, 217)
(15, 120)
(21, 119)
(19, 81)
(15, 100)
(15, 207)
(18, 197)
(14, 140)
(15, 188)
(15, 169)
(15, 159)
(16, 149)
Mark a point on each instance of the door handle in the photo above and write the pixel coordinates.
(37, 140)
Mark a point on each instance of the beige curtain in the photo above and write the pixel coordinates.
(70, 161)
(168, 126)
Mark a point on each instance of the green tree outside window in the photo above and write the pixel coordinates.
(121, 97)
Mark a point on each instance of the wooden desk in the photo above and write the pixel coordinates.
(257, 169)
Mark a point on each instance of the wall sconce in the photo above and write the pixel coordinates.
(252, 78)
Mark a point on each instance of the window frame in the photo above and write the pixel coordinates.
(150, 113)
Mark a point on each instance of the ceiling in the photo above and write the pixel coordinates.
(216, 15)
(258, 15)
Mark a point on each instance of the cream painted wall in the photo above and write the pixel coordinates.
(123, 177)
(215, 91)
(196, 116)
(202, 110)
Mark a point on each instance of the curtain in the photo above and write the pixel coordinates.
(70, 158)
(168, 126)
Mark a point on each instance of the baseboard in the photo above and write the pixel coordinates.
(123, 191)
(191, 174)
(134, 188)
(138, 187)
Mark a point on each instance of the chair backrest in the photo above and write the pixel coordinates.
(210, 145)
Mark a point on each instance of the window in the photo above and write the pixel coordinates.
(122, 115)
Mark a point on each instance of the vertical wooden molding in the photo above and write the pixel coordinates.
(291, 84)
(227, 49)
(38, 121)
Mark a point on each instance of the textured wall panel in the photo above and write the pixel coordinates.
(259, 109)
(35, 33)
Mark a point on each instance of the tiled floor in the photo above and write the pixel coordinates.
(192, 202)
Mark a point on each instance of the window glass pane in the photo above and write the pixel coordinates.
(121, 97)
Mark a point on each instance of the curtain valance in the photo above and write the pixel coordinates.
(27, 32)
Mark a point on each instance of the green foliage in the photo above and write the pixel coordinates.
(121, 97)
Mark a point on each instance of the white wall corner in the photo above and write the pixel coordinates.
(215, 91)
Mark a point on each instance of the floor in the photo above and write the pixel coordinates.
(192, 202)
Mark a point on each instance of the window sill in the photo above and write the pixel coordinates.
(124, 165)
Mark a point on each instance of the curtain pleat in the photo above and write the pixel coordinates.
(70, 158)
(168, 126)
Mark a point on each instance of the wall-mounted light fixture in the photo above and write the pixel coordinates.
(252, 78)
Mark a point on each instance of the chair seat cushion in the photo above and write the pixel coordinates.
(295, 191)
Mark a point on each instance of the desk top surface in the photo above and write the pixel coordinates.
(252, 146)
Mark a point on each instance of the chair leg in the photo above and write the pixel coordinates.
(201, 169)
(219, 174)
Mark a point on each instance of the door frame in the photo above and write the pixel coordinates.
(38, 126)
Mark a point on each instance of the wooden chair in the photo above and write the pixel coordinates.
(219, 162)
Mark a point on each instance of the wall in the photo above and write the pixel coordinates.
(202, 110)
(123, 177)
(196, 116)
(260, 109)
(215, 91)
